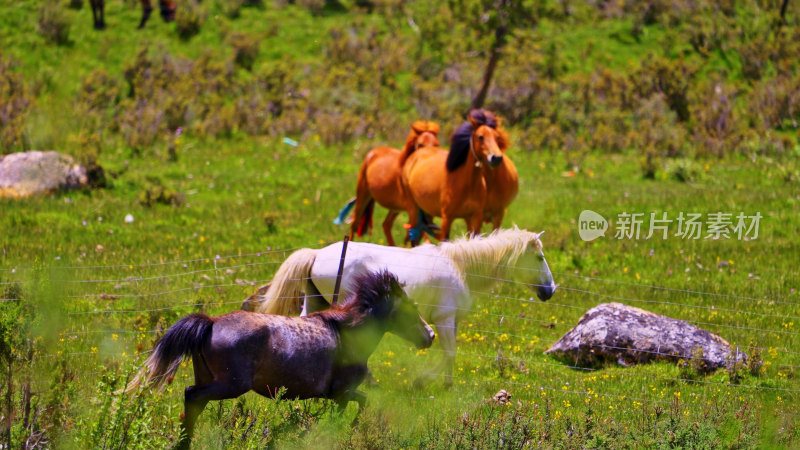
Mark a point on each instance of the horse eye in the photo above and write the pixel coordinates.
(480, 138)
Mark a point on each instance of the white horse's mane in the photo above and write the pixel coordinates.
(483, 255)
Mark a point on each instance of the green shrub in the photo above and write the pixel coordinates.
(15, 102)
(189, 17)
(775, 103)
(245, 49)
(54, 24)
(157, 193)
(141, 122)
(718, 129)
(667, 77)
(315, 6)
(231, 8)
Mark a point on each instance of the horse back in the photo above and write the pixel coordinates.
(424, 178)
(383, 176)
(270, 352)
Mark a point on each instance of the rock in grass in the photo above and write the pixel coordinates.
(35, 172)
(613, 332)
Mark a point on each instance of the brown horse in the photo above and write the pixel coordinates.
(463, 182)
(379, 179)
(323, 355)
(167, 12)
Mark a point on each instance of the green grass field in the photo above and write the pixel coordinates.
(85, 293)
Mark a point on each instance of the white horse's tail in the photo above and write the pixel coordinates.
(288, 284)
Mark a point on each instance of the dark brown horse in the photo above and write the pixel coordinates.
(167, 12)
(323, 355)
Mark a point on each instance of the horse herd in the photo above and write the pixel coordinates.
(324, 353)
(474, 180)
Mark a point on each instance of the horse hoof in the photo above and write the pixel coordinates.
(99, 26)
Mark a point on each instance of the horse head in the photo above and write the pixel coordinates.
(544, 284)
(385, 300)
(488, 140)
(482, 136)
(424, 133)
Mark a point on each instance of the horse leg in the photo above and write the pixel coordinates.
(195, 400)
(448, 339)
(387, 226)
(98, 14)
(352, 396)
(314, 301)
(474, 224)
(147, 9)
(444, 228)
(413, 221)
(446, 333)
(497, 220)
(167, 10)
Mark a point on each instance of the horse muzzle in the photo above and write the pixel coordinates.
(494, 161)
(428, 340)
(545, 291)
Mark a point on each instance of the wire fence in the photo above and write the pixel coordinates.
(136, 289)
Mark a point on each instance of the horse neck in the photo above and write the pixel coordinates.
(411, 147)
(470, 172)
(487, 258)
(358, 343)
(472, 157)
(359, 335)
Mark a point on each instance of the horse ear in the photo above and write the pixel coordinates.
(419, 126)
(433, 127)
(473, 119)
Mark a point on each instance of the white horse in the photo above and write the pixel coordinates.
(438, 277)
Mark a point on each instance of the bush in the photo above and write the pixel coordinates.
(775, 103)
(189, 17)
(231, 8)
(245, 49)
(14, 107)
(667, 77)
(718, 129)
(54, 24)
(141, 123)
(315, 6)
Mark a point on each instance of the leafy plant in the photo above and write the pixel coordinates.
(15, 102)
(189, 17)
(54, 25)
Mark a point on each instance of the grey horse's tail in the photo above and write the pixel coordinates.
(189, 335)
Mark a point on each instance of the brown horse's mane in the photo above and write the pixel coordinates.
(459, 142)
(370, 299)
(417, 128)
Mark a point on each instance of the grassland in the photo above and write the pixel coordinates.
(85, 292)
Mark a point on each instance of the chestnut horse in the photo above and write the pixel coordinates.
(323, 355)
(379, 179)
(473, 181)
(167, 12)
